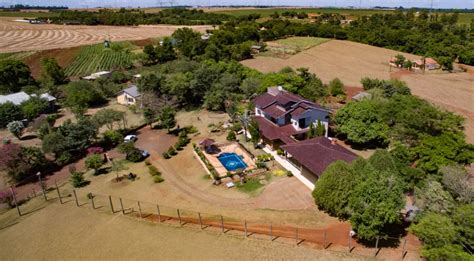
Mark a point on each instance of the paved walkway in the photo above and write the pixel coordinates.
(288, 166)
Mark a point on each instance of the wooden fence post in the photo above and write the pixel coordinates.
(200, 220)
(111, 205)
(296, 236)
(179, 216)
(59, 194)
(245, 228)
(325, 239)
(271, 236)
(222, 224)
(16, 202)
(376, 246)
(350, 242)
(159, 214)
(121, 205)
(75, 196)
(403, 249)
(92, 200)
(140, 209)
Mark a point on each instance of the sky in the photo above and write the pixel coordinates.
(461, 4)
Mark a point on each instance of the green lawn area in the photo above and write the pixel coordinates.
(301, 43)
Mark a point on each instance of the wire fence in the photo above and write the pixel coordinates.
(327, 239)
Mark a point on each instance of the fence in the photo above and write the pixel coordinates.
(327, 239)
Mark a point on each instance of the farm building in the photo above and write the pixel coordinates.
(428, 64)
(97, 75)
(21, 97)
(313, 156)
(129, 96)
(285, 118)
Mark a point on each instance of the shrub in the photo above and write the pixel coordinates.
(64, 159)
(190, 129)
(280, 152)
(166, 155)
(77, 180)
(16, 128)
(158, 179)
(134, 156)
(95, 150)
(153, 171)
(172, 151)
(231, 136)
(147, 162)
(289, 173)
(112, 137)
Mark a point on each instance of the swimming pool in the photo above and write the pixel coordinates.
(232, 161)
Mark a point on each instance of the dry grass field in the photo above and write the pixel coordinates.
(59, 232)
(18, 36)
(350, 61)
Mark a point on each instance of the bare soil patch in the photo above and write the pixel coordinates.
(64, 57)
(350, 61)
(16, 36)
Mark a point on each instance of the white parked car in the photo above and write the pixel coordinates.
(129, 138)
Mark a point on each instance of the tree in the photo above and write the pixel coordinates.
(399, 60)
(435, 230)
(112, 137)
(80, 95)
(108, 117)
(94, 161)
(20, 162)
(231, 136)
(446, 252)
(188, 42)
(117, 166)
(165, 51)
(336, 87)
(312, 131)
(320, 130)
(150, 52)
(362, 123)
(456, 181)
(333, 189)
(52, 72)
(9, 112)
(432, 197)
(55, 143)
(167, 117)
(150, 82)
(463, 218)
(254, 132)
(149, 116)
(375, 203)
(34, 106)
(14, 74)
(77, 180)
(434, 152)
(16, 128)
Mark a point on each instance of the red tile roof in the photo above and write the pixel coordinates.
(275, 111)
(272, 131)
(317, 153)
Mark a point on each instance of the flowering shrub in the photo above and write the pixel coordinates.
(95, 150)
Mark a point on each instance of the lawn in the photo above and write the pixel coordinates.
(301, 43)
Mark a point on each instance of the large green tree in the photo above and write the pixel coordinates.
(188, 42)
(14, 75)
(80, 95)
(52, 72)
(9, 112)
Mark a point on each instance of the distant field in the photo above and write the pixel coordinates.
(350, 61)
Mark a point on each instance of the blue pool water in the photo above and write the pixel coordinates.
(232, 161)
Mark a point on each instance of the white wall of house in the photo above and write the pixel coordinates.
(312, 116)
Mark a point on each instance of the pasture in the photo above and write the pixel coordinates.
(18, 36)
(350, 61)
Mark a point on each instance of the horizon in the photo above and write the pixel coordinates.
(435, 4)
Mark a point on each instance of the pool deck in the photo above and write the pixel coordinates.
(229, 148)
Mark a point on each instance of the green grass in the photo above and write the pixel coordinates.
(301, 43)
(251, 186)
(15, 56)
(94, 58)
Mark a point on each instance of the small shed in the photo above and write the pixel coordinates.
(129, 96)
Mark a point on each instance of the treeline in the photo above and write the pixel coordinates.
(18, 7)
(177, 16)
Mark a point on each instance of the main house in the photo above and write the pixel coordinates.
(129, 96)
(284, 118)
